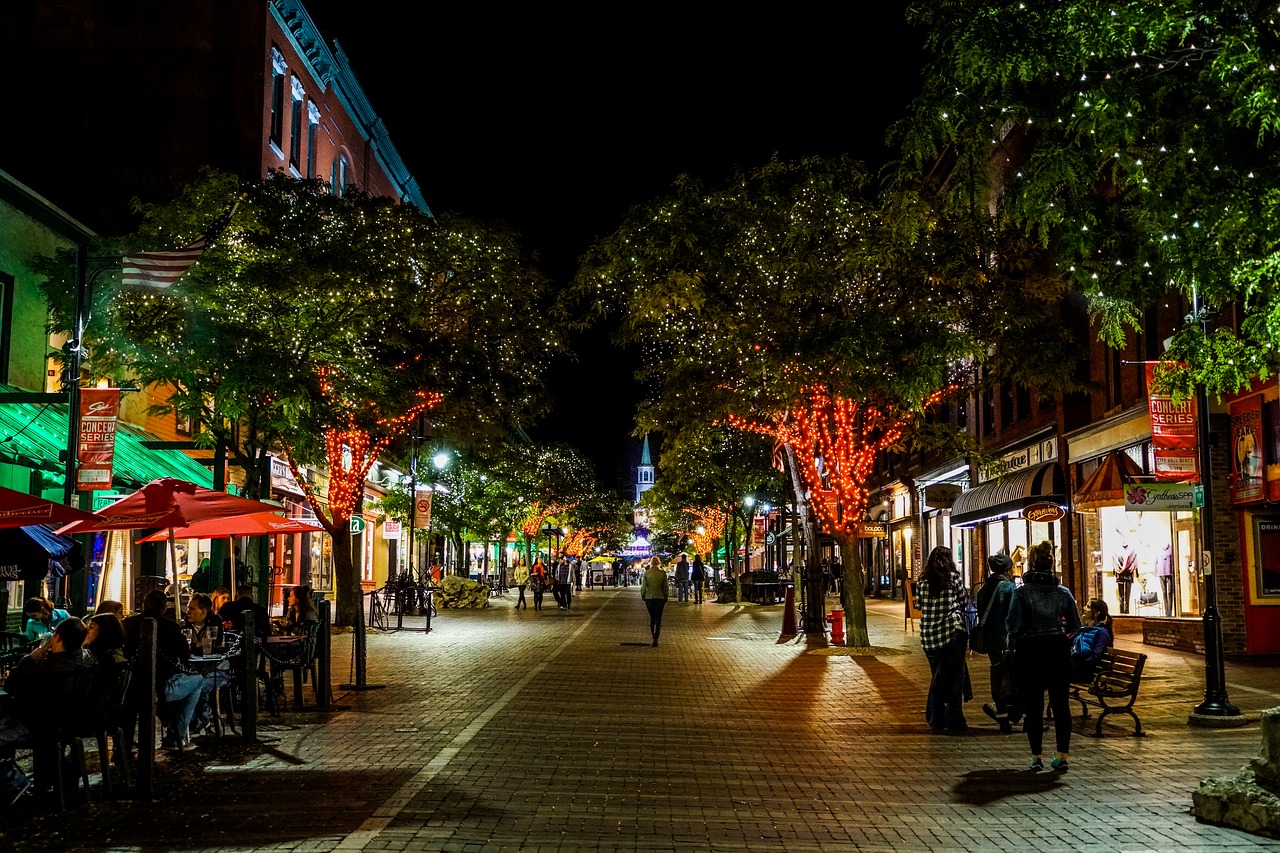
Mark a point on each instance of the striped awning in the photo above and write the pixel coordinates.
(1010, 494)
(1105, 486)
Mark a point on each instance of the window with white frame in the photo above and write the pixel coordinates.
(278, 71)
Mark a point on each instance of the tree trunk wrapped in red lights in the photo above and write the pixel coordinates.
(349, 455)
(836, 440)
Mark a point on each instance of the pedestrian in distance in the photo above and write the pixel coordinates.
(522, 581)
(993, 611)
(698, 577)
(563, 580)
(682, 580)
(944, 636)
(1042, 616)
(654, 592)
(538, 580)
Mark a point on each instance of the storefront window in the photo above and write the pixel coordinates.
(1142, 563)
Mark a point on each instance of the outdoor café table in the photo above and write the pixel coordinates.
(211, 666)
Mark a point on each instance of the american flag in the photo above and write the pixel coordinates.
(161, 269)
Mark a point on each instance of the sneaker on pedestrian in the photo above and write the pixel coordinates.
(991, 712)
(1059, 764)
(1037, 764)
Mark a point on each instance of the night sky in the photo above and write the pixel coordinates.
(558, 125)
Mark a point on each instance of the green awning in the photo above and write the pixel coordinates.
(35, 436)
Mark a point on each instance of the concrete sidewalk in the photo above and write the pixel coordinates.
(564, 730)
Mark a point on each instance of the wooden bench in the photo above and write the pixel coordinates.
(1117, 679)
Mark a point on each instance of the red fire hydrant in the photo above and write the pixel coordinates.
(837, 626)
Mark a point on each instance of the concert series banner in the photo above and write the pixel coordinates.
(99, 409)
(1173, 434)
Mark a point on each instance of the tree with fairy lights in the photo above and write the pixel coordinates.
(1135, 144)
(320, 326)
(796, 303)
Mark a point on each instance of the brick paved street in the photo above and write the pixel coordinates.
(506, 730)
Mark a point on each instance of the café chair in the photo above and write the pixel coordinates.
(298, 658)
(13, 648)
(55, 725)
(106, 721)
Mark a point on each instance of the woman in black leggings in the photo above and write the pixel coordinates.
(1042, 613)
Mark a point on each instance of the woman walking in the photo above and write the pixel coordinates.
(698, 577)
(538, 579)
(653, 589)
(945, 638)
(522, 581)
(1042, 614)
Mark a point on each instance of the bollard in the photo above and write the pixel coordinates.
(249, 680)
(146, 670)
(323, 639)
(837, 626)
(789, 612)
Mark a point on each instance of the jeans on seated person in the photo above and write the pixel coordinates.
(181, 696)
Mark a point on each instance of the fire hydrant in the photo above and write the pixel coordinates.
(837, 626)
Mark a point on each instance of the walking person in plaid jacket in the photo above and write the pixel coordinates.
(945, 638)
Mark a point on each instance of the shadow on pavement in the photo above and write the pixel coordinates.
(195, 808)
(980, 787)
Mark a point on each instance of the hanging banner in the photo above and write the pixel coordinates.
(1246, 451)
(422, 510)
(99, 409)
(1173, 435)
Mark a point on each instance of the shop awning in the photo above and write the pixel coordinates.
(1105, 486)
(36, 435)
(1010, 494)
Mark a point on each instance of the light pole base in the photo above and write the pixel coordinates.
(1218, 721)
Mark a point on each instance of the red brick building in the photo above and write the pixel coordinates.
(124, 100)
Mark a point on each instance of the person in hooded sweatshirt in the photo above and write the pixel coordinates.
(1042, 616)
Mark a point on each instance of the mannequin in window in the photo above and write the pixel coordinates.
(1164, 571)
(1019, 557)
(1126, 569)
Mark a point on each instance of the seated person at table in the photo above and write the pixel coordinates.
(219, 597)
(1088, 643)
(105, 641)
(42, 618)
(114, 608)
(232, 612)
(40, 689)
(203, 622)
(179, 690)
(302, 611)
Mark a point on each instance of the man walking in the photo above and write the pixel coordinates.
(653, 590)
(682, 580)
(993, 610)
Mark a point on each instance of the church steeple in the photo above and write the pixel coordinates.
(644, 472)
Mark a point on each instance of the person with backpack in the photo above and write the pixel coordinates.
(989, 638)
(698, 577)
(1042, 615)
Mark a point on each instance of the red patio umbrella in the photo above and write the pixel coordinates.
(172, 504)
(258, 524)
(18, 509)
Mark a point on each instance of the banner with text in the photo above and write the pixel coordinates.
(1246, 451)
(99, 408)
(1173, 434)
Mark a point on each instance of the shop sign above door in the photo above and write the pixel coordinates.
(1043, 512)
(941, 495)
(1045, 450)
(1162, 497)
